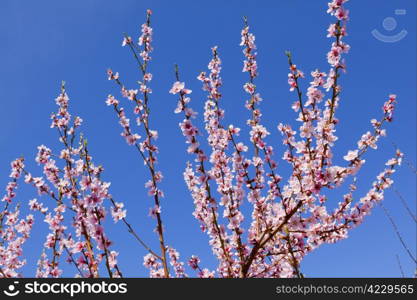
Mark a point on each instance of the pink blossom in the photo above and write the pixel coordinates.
(111, 101)
(352, 155)
(178, 87)
(126, 41)
(44, 154)
(111, 75)
(118, 212)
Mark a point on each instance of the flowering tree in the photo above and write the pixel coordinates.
(289, 219)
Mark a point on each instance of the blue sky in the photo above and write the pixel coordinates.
(44, 42)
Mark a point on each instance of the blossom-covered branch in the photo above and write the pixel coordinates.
(147, 149)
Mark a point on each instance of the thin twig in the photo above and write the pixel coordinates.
(413, 216)
(397, 232)
(399, 265)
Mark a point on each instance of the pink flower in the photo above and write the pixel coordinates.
(113, 259)
(389, 106)
(43, 155)
(249, 88)
(77, 121)
(118, 212)
(334, 56)
(193, 262)
(16, 168)
(147, 77)
(342, 14)
(177, 87)
(126, 41)
(352, 155)
(111, 75)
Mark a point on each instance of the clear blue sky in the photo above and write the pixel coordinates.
(44, 42)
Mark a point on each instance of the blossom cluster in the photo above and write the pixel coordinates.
(227, 175)
(73, 182)
(289, 219)
(146, 147)
(14, 231)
